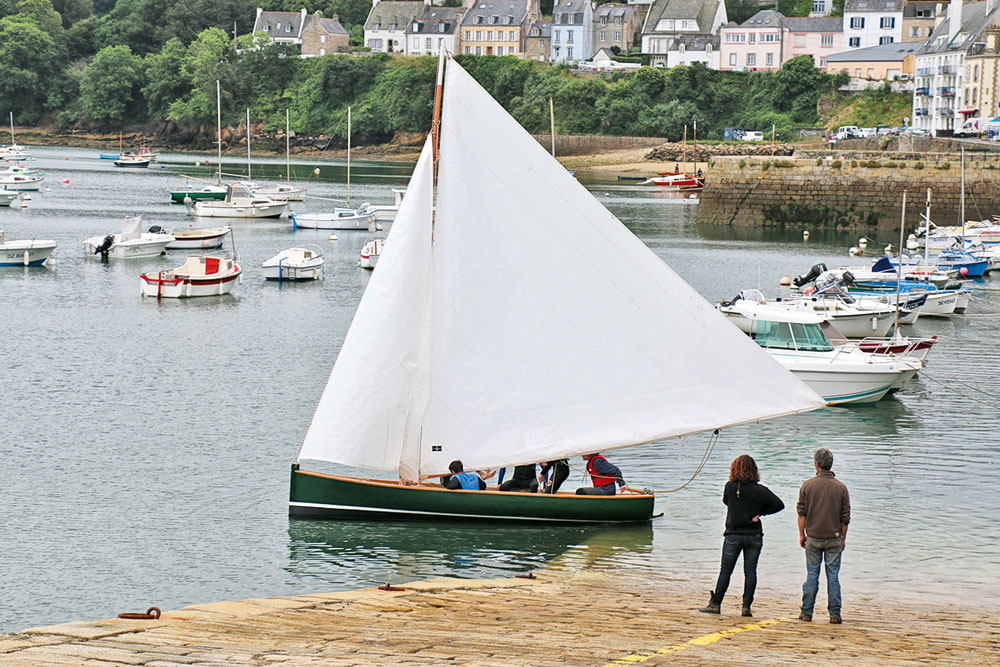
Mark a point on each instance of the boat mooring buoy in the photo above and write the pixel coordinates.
(805, 235)
(333, 237)
(785, 281)
(862, 242)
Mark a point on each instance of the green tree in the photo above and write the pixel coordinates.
(164, 83)
(111, 84)
(209, 59)
(740, 10)
(42, 14)
(31, 80)
(73, 11)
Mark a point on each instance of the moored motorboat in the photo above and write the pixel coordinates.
(195, 239)
(296, 264)
(341, 218)
(370, 252)
(130, 243)
(33, 252)
(280, 192)
(132, 161)
(241, 202)
(198, 276)
(852, 322)
(9, 197)
(387, 212)
(20, 178)
(217, 192)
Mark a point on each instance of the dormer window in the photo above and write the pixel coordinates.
(534, 32)
(267, 28)
(618, 20)
(392, 27)
(279, 27)
(479, 19)
(288, 28)
(508, 20)
(375, 27)
(493, 20)
(604, 20)
(441, 27)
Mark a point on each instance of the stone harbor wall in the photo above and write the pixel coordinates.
(676, 151)
(824, 192)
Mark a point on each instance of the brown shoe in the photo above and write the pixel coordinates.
(803, 617)
(837, 620)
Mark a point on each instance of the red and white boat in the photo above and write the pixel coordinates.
(676, 180)
(905, 346)
(198, 276)
(370, 253)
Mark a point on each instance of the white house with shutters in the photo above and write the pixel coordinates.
(572, 31)
(682, 32)
(872, 22)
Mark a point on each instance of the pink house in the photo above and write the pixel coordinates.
(767, 40)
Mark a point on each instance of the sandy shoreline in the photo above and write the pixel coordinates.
(582, 618)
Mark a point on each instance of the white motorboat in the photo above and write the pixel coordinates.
(838, 374)
(370, 252)
(21, 179)
(130, 243)
(198, 276)
(850, 321)
(241, 202)
(8, 197)
(132, 161)
(386, 212)
(296, 264)
(24, 253)
(341, 218)
(13, 153)
(280, 192)
(195, 239)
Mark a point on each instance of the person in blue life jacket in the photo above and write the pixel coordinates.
(459, 479)
(603, 474)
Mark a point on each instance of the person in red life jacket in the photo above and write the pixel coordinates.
(604, 475)
(459, 479)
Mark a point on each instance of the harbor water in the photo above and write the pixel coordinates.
(146, 444)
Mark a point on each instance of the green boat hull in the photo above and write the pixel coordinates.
(178, 197)
(318, 496)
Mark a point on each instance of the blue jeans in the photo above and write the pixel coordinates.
(818, 551)
(750, 546)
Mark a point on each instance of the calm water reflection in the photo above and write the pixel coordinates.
(147, 444)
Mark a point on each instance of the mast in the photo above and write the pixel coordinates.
(927, 224)
(899, 264)
(121, 152)
(684, 154)
(218, 120)
(436, 121)
(696, 146)
(961, 217)
(552, 125)
(288, 162)
(248, 143)
(348, 155)
(12, 128)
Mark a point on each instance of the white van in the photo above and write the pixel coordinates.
(970, 128)
(753, 135)
(847, 132)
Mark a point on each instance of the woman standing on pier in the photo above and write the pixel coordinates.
(747, 501)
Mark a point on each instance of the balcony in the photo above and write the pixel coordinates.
(946, 69)
(922, 91)
(946, 91)
(921, 112)
(945, 111)
(925, 71)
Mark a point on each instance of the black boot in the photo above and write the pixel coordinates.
(714, 605)
(746, 608)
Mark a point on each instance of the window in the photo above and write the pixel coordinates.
(322, 39)
(392, 27)
(427, 43)
(569, 52)
(508, 20)
(489, 35)
(569, 36)
(479, 50)
(826, 40)
(770, 37)
(288, 28)
(479, 19)
(479, 35)
(416, 42)
(708, 48)
(752, 38)
(925, 13)
(751, 59)
(887, 22)
(468, 49)
(510, 36)
(681, 48)
(769, 60)
(322, 52)
(854, 42)
(618, 20)
(563, 19)
(499, 50)
(857, 72)
(618, 36)
(736, 37)
(819, 6)
(278, 28)
(732, 60)
(604, 20)
(857, 22)
(267, 28)
(441, 27)
(822, 62)
(871, 72)
(603, 36)
(556, 38)
(885, 40)
(914, 32)
(468, 35)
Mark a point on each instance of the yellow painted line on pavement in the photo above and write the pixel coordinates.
(704, 640)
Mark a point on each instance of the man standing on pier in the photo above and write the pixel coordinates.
(824, 509)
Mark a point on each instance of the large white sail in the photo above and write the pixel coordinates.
(362, 417)
(554, 330)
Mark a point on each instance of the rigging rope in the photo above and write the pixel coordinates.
(967, 396)
(701, 466)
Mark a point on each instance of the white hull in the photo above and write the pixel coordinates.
(296, 264)
(293, 272)
(345, 220)
(384, 213)
(198, 239)
(221, 209)
(840, 382)
(939, 304)
(370, 253)
(25, 253)
(858, 325)
(282, 193)
(963, 298)
(22, 184)
(150, 245)
(8, 198)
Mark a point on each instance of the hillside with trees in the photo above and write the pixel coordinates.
(154, 63)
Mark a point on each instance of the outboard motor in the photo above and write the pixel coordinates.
(156, 229)
(105, 246)
(847, 277)
(814, 273)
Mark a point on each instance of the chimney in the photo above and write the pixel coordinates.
(954, 19)
(938, 14)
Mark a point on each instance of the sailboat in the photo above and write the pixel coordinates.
(362, 217)
(678, 180)
(287, 192)
(14, 152)
(513, 319)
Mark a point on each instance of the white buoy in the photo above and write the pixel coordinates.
(785, 281)
(333, 237)
(805, 235)
(888, 249)
(862, 242)
(855, 251)
(316, 171)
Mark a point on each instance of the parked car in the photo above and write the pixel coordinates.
(753, 135)
(867, 132)
(884, 131)
(916, 132)
(847, 132)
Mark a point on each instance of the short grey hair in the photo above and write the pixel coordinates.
(823, 458)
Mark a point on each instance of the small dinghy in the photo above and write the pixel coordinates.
(342, 218)
(296, 264)
(194, 239)
(130, 243)
(25, 253)
(198, 276)
(370, 252)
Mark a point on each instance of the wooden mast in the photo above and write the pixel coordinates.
(696, 147)
(348, 155)
(552, 124)
(288, 161)
(218, 120)
(684, 154)
(436, 122)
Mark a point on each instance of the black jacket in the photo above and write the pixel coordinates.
(745, 501)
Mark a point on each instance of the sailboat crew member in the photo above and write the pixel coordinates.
(560, 471)
(459, 479)
(604, 474)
